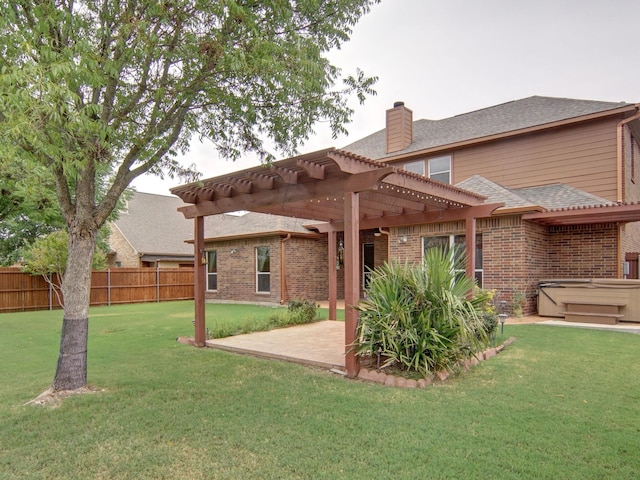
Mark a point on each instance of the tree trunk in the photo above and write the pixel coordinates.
(71, 372)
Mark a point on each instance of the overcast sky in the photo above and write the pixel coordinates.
(448, 57)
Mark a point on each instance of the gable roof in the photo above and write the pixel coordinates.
(152, 225)
(549, 197)
(499, 119)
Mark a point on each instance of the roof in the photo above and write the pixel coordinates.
(549, 197)
(500, 119)
(152, 225)
(555, 204)
(249, 224)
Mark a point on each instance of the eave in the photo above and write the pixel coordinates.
(612, 213)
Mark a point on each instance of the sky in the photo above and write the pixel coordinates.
(447, 57)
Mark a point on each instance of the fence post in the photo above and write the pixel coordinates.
(108, 287)
(50, 299)
(157, 283)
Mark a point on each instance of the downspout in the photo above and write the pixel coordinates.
(283, 270)
(620, 151)
(620, 174)
(388, 234)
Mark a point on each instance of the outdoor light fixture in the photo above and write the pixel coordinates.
(203, 260)
(402, 239)
(377, 232)
(233, 250)
(502, 316)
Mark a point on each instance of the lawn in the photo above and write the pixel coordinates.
(557, 403)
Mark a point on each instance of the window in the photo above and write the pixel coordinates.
(440, 168)
(458, 241)
(415, 167)
(212, 270)
(263, 270)
(368, 263)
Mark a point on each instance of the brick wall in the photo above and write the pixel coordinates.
(237, 270)
(583, 251)
(307, 269)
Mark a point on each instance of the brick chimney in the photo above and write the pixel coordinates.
(399, 127)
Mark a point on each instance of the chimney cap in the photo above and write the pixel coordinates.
(398, 104)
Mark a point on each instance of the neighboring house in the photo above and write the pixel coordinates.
(565, 171)
(150, 232)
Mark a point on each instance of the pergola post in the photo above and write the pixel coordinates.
(470, 244)
(199, 280)
(333, 276)
(352, 278)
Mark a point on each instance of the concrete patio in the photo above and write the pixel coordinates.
(321, 344)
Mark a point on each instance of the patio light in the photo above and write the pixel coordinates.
(502, 316)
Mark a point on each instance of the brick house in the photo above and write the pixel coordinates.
(560, 174)
(566, 170)
(534, 189)
(150, 232)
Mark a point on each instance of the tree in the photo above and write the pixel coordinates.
(114, 89)
(28, 208)
(47, 256)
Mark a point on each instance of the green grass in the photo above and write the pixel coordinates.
(557, 403)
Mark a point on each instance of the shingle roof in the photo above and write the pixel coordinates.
(507, 117)
(153, 225)
(553, 196)
(252, 223)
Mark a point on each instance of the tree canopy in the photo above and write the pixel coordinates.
(109, 90)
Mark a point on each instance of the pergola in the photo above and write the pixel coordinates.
(343, 192)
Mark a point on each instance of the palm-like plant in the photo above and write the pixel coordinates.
(418, 317)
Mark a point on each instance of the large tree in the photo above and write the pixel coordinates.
(116, 88)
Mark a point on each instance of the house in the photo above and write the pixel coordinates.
(150, 232)
(566, 170)
(538, 188)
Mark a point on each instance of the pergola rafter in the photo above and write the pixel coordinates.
(343, 192)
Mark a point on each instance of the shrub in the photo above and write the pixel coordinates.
(418, 317)
(302, 311)
(483, 301)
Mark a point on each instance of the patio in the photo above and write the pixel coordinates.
(321, 344)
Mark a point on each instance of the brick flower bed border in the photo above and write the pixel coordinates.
(377, 376)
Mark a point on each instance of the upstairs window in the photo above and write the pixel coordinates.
(212, 270)
(263, 270)
(415, 167)
(440, 168)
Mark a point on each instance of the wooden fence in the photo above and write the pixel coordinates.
(21, 292)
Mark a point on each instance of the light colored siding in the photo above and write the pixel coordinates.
(583, 157)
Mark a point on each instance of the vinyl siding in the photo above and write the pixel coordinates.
(583, 157)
